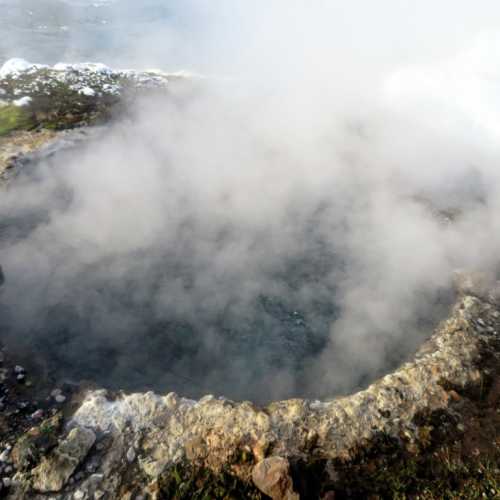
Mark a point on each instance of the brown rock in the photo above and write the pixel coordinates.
(272, 477)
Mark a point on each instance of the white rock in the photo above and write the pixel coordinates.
(60, 398)
(131, 454)
(19, 369)
(78, 495)
(7, 481)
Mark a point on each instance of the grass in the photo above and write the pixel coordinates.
(15, 118)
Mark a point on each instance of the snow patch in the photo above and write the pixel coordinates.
(87, 91)
(87, 67)
(22, 102)
(16, 66)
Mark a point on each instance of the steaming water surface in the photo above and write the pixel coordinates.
(205, 306)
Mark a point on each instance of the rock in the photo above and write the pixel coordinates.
(131, 454)
(60, 399)
(7, 481)
(272, 477)
(78, 495)
(19, 369)
(55, 470)
(4, 456)
(37, 415)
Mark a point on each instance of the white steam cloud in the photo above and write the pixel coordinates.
(279, 229)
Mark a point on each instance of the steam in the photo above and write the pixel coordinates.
(279, 228)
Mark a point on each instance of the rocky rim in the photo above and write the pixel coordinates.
(76, 442)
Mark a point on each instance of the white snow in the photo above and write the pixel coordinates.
(85, 67)
(87, 91)
(16, 66)
(22, 102)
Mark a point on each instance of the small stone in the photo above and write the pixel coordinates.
(56, 392)
(4, 456)
(131, 454)
(7, 481)
(98, 494)
(60, 398)
(8, 469)
(78, 495)
(21, 377)
(37, 415)
(19, 369)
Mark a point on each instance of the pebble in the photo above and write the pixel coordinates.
(60, 398)
(98, 494)
(8, 469)
(19, 369)
(7, 481)
(131, 454)
(37, 415)
(21, 377)
(55, 393)
(78, 495)
(4, 456)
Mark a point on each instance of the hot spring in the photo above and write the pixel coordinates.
(171, 254)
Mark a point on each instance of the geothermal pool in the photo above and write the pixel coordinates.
(186, 300)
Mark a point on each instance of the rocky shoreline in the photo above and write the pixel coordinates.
(75, 442)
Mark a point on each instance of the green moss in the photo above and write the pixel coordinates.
(183, 482)
(15, 118)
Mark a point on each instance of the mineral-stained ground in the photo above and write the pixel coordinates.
(429, 430)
